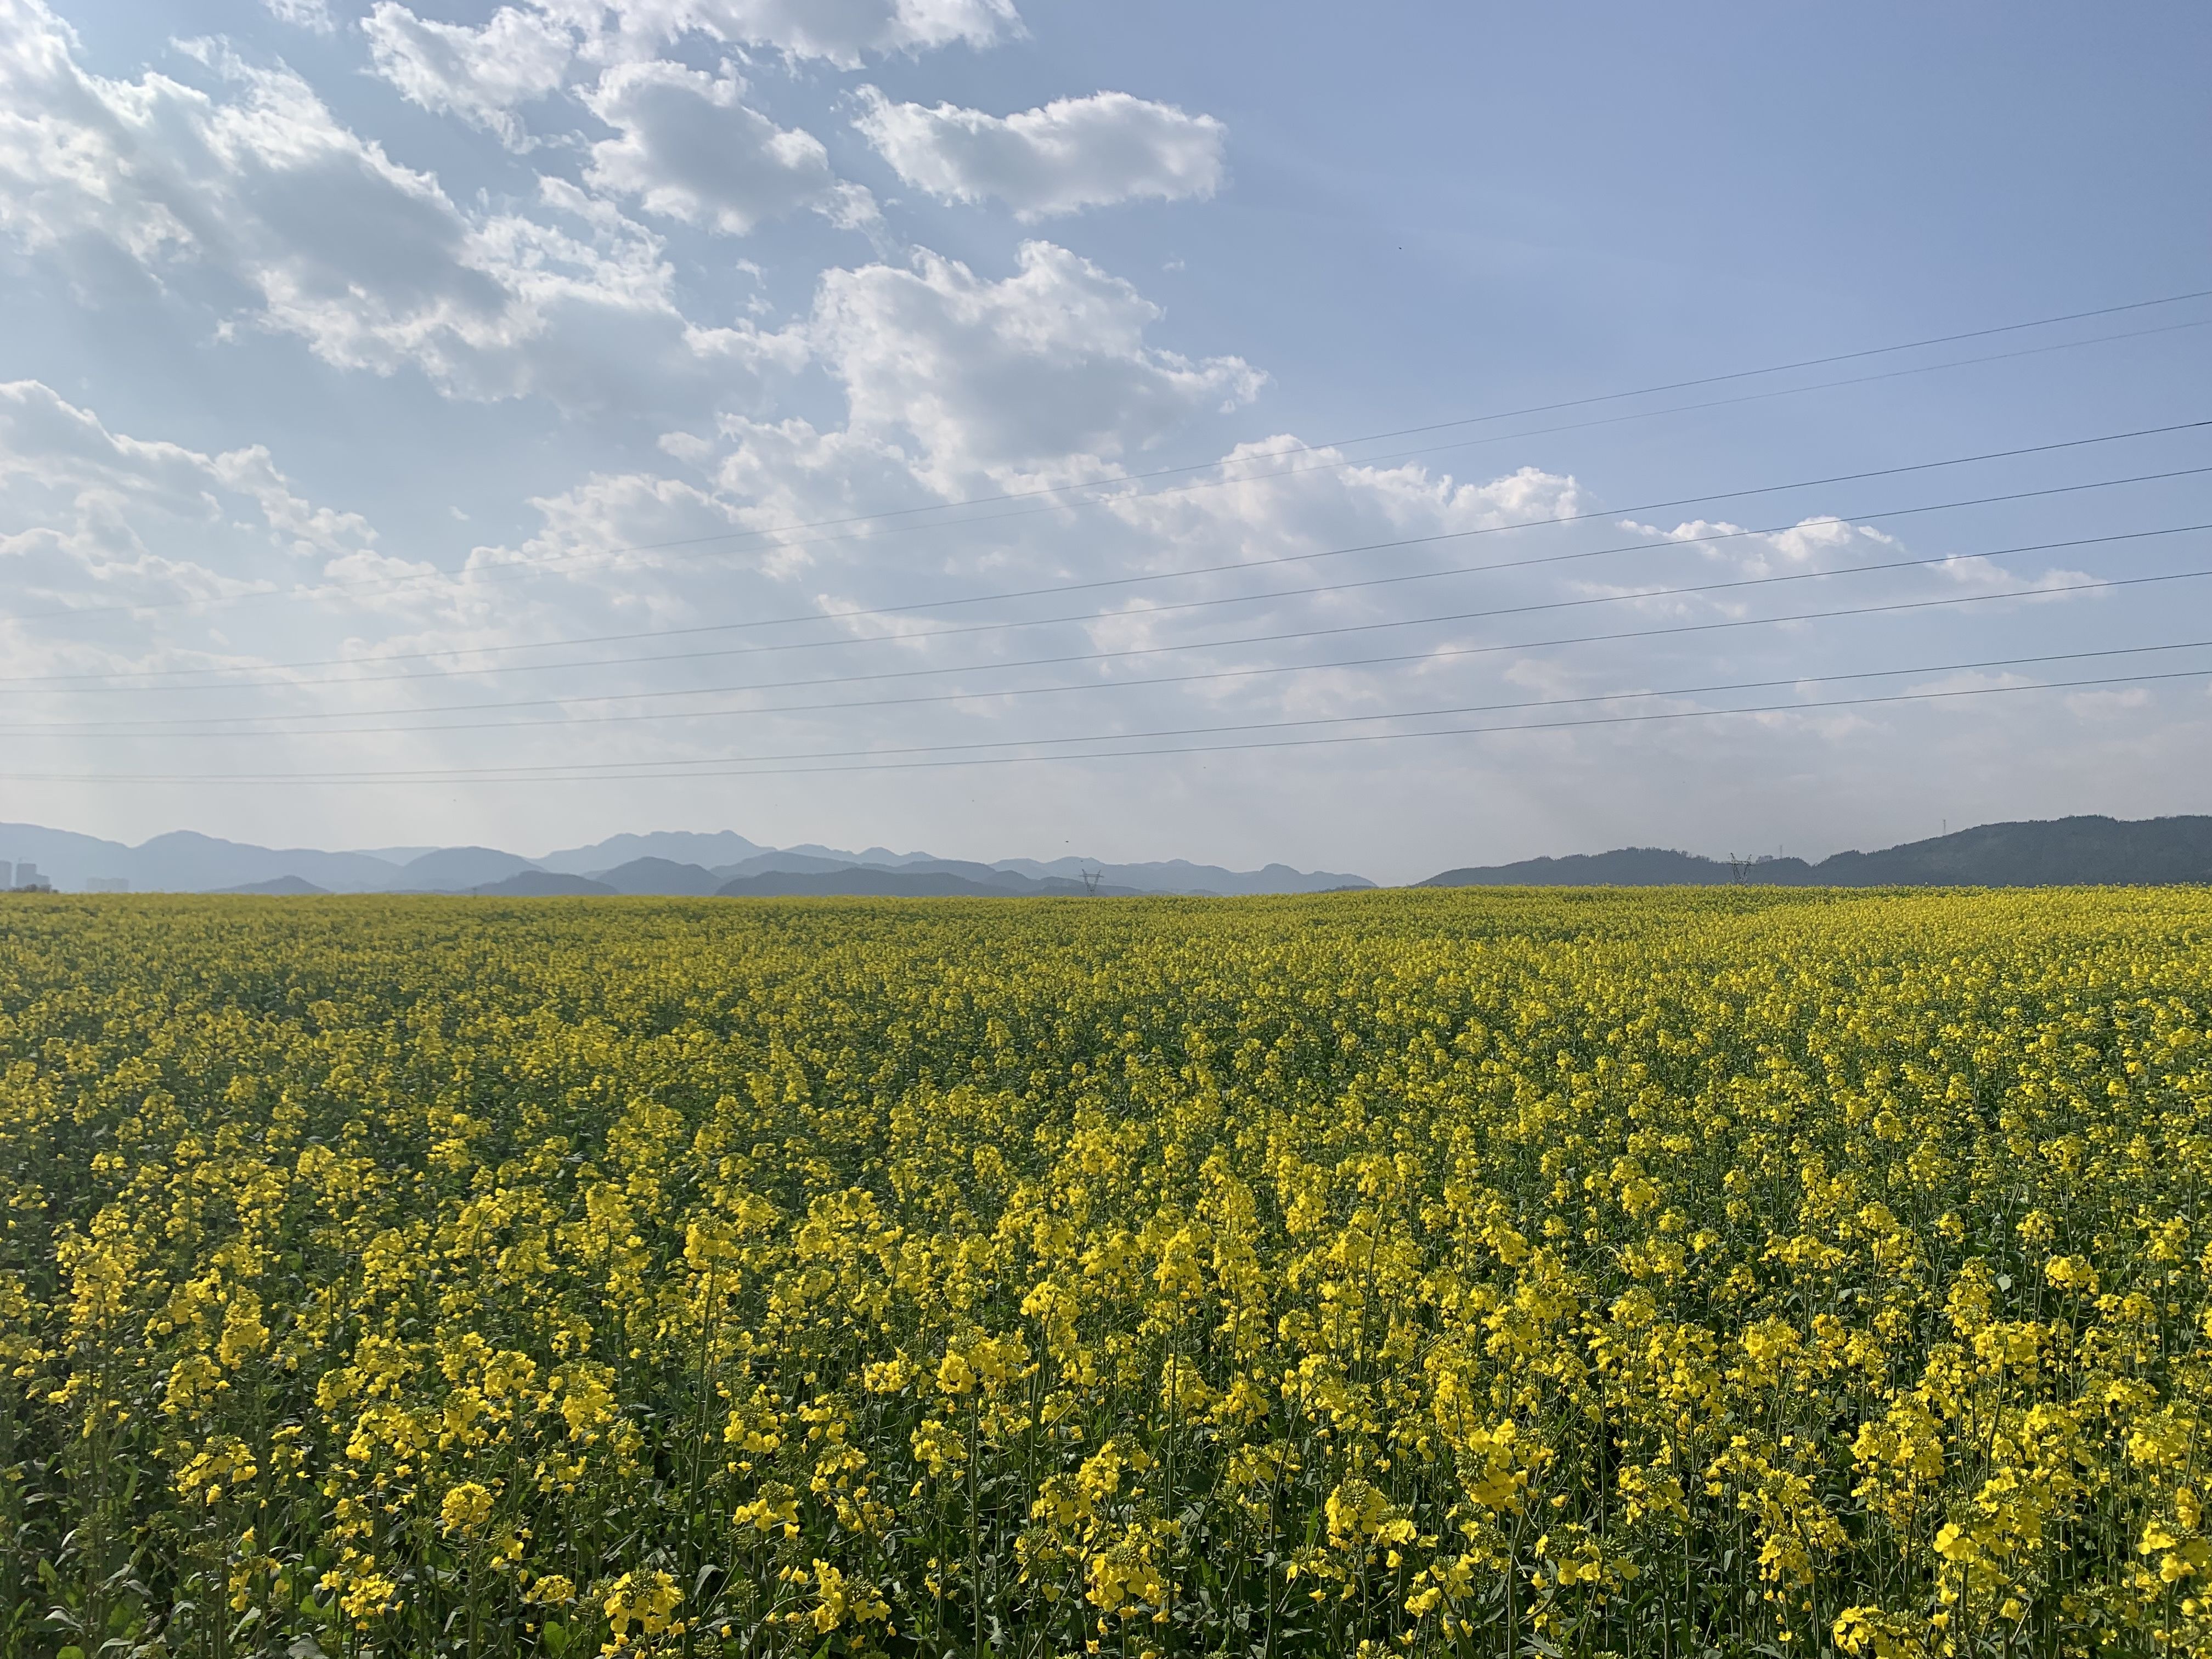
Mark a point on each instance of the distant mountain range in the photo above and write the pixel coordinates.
(2054, 852)
(2047, 853)
(669, 862)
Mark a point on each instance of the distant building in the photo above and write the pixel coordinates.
(108, 884)
(28, 880)
(7, 875)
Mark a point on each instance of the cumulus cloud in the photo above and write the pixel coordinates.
(1259, 507)
(89, 516)
(1071, 153)
(690, 148)
(952, 382)
(2055, 584)
(839, 32)
(787, 472)
(480, 74)
(639, 533)
(1045, 374)
(1265, 501)
(1821, 539)
(956, 382)
(313, 231)
(302, 13)
(776, 477)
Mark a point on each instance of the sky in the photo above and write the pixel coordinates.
(1380, 440)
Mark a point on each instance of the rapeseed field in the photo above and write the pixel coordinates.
(1683, 1273)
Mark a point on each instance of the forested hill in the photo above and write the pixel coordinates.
(2043, 853)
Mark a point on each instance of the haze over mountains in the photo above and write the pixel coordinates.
(673, 862)
(2052, 852)
(2049, 853)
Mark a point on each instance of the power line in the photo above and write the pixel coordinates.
(767, 770)
(71, 682)
(1405, 713)
(1453, 731)
(1442, 652)
(187, 726)
(64, 682)
(524, 568)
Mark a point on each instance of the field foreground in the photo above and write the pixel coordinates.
(1484, 1273)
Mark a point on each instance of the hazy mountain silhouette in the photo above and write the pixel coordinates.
(673, 862)
(2050, 852)
(781, 864)
(456, 869)
(2039, 853)
(278, 887)
(2043, 853)
(676, 845)
(540, 884)
(1627, 866)
(184, 861)
(660, 876)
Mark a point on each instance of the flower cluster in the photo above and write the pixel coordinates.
(1692, 1273)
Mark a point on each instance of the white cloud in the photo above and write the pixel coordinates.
(2055, 584)
(1824, 539)
(692, 149)
(606, 516)
(258, 193)
(764, 476)
(1045, 374)
(952, 383)
(480, 74)
(838, 31)
(787, 472)
(1263, 503)
(1071, 153)
(302, 13)
(957, 384)
(92, 517)
(49, 444)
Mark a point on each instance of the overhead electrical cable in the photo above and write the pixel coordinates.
(1405, 713)
(193, 726)
(776, 763)
(1438, 653)
(526, 566)
(1384, 737)
(783, 539)
(75, 681)
(1664, 543)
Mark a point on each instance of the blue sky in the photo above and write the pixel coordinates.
(366, 368)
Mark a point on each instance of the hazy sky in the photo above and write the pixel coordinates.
(899, 421)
